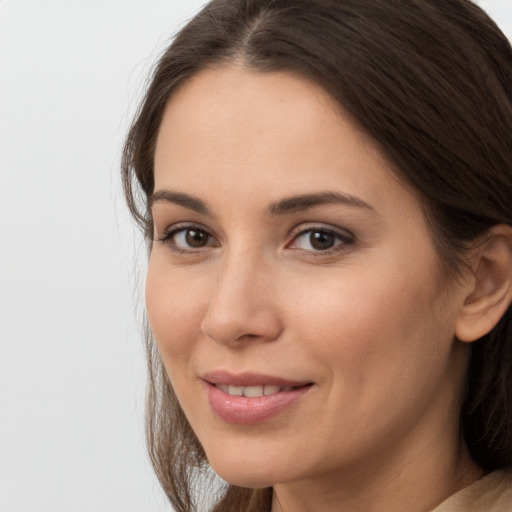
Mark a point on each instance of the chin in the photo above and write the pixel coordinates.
(244, 472)
(243, 476)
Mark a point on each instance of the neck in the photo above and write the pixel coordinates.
(424, 478)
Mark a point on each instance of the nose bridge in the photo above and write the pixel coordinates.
(242, 305)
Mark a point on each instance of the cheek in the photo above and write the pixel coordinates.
(381, 344)
(382, 313)
(176, 304)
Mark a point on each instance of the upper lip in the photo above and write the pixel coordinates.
(249, 379)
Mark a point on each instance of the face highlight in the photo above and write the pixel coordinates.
(292, 287)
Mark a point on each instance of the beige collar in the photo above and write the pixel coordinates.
(491, 493)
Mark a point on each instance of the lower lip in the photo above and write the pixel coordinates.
(241, 410)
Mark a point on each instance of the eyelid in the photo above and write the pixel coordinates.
(173, 229)
(345, 236)
(306, 227)
(177, 226)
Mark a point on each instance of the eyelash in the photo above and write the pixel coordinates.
(170, 233)
(341, 239)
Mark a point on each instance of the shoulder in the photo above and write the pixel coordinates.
(491, 493)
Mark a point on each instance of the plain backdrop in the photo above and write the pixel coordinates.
(72, 371)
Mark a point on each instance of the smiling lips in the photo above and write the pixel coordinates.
(253, 391)
(250, 399)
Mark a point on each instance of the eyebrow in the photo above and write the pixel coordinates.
(179, 198)
(304, 202)
(282, 207)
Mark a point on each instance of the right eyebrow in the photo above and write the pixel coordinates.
(179, 198)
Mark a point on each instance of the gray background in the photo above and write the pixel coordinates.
(71, 266)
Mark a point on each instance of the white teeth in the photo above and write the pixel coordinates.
(253, 391)
(271, 390)
(236, 390)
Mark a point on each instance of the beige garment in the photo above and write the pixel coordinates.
(491, 493)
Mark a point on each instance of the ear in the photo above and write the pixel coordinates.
(491, 285)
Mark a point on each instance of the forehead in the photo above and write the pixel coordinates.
(232, 127)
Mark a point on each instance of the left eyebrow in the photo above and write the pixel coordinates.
(304, 202)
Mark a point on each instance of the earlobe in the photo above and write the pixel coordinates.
(491, 288)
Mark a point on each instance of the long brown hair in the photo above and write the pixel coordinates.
(431, 82)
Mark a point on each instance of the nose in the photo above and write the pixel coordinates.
(243, 305)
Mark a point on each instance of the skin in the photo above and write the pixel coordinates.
(369, 321)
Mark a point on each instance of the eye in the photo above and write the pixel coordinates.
(320, 240)
(188, 238)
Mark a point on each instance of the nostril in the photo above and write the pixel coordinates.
(235, 321)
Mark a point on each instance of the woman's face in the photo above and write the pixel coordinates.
(290, 266)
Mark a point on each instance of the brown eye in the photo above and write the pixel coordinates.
(189, 239)
(321, 240)
(196, 238)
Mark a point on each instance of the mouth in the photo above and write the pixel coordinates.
(251, 384)
(248, 399)
(255, 391)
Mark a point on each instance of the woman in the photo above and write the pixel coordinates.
(326, 193)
